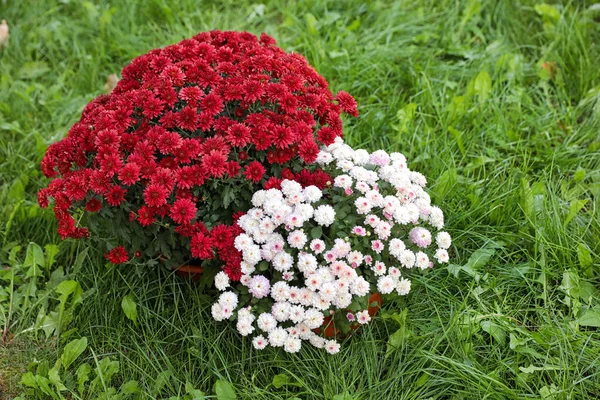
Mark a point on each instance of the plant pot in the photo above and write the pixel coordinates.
(329, 330)
(192, 272)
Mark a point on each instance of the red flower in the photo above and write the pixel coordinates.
(155, 195)
(347, 103)
(187, 118)
(254, 171)
(238, 135)
(130, 173)
(233, 169)
(183, 211)
(115, 196)
(93, 205)
(211, 104)
(215, 163)
(201, 246)
(145, 216)
(118, 255)
(273, 183)
(308, 151)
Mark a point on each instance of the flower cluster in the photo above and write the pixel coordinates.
(309, 253)
(185, 138)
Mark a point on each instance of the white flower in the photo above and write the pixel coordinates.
(228, 299)
(407, 259)
(260, 342)
(328, 291)
(280, 291)
(244, 327)
(396, 246)
(306, 211)
(290, 188)
(324, 158)
(292, 345)
(341, 248)
(363, 205)
(251, 254)
(342, 300)
(345, 165)
(258, 198)
(297, 239)
(363, 317)
(383, 230)
(312, 193)
(296, 314)
(307, 263)
(278, 337)
(443, 240)
(316, 341)
(242, 241)
(324, 215)
(217, 312)
(222, 281)
(266, 322)
(386, 284)
(360, 287)
(283, 261)
(332, 347)
(313, 318)
(362, 187)
(418, 178)
(375, 198)
(360, 157)
(313, 282)
(281, 311)
(441, 255)
(436, 217)
(403, 287)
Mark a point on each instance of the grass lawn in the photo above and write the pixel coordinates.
(496, 102)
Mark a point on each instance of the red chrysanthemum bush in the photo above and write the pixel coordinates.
(161, 166)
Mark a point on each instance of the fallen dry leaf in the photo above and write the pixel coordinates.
(111, 82)
(3, 33)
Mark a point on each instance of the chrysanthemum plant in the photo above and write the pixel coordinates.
(159, 168)
(312, 257)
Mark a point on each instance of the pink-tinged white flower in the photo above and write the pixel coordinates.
(422, 260)
(330, 256)
(348, 191)
(292, 345)
(242, 241)
(379, 157)
(338, 267)
(313, 282)
(321, 304)
(355, 258)
(324, 215)
(348, 273)
(266, 225)
(441, 255)
(304, 332)
(407, 259)
(317, 246)
(324, 158)
(256, 214)
(368, 260)
(297, 314)
(363, 317)
(278, 337)
(394, 272)
(379, 268)
(372, 220)
(362, 187)
(342, 181)
(377, 246)
(259, 286)
(287, 276)
(245, 279)
(306, 297)
(383, 230)
(332, 347)
(403, 287)
(328, 291)
(359, 231)
(221, 281)
(363, 205)
(345, 165)
(260, 342)
(297, 239)
(341, 248)
(350, 317)
(443, 240)
(294, 220)
(294, 294)
(420, 236)
(386, 284)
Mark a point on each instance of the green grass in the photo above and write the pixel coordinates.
(496, 102)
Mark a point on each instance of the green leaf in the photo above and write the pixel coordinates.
(66, 288)
(584, 255)
(83, 375)
(590, 318)
(483, 85)
(54, 378)
(73, 350)
(280, 380)
(494, 330)
(130, 387)
(479, 258)
(34, 258)
(575, 206)
(579, 175)
(33, 69)
(129, 308)
(311, 24)
(28, 379)
(343, 396)
(316, 232)
(547, 12)
(194, 394)
(224, 390)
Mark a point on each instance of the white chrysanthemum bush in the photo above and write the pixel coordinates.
(312, 256)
